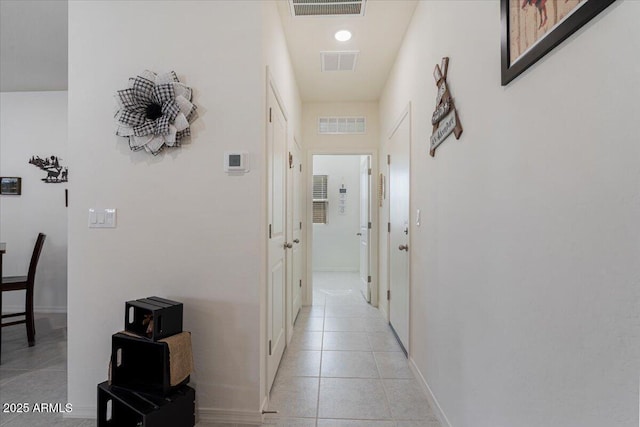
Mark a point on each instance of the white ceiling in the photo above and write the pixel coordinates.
(377, 35)
(33, 48)
(33, 45)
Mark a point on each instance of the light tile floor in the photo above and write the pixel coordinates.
(343, 368)
(36, 374)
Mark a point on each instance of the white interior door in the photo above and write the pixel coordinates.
(294, 215)
(365, 232)
(277, 273)
(399, 146)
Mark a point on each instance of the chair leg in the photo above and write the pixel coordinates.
(30, 323)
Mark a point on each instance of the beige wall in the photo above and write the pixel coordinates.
(34, 124)
(339, 143)
(186, 230)
(524, 273)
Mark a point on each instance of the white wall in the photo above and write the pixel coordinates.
(336, 247)
(186, 230)
(339, 143)
(34, 123)
(525, 275)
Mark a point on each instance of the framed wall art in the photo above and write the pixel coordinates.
(532, 28)
(10, 185)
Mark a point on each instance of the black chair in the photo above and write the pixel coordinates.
(25, 283)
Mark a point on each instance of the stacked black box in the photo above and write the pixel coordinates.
(140, 393)
(120, 407)
(153, 317)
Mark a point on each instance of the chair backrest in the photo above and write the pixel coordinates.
(37, 249)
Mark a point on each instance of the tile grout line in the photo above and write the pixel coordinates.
(324, 316)
(384, 389)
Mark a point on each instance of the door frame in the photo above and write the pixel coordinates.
(290, 235)
(373, 201)
(270, 87)
(406, 113)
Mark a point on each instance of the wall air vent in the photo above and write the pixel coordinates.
(339, 61)
(327, 7)
(341, 125)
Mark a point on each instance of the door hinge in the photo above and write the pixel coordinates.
(368, 279)
(269, 114)
(300, 282)
(388, 228)
(290, 161)
(388, 299)
(369, 225)
(269, 230)
(300, 167)
(269, 347)
(369, 171)
(388, 159)
(300, 225)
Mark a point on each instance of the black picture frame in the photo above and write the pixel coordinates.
(10, 186)
(548, 42)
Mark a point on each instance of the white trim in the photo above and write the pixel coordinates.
(429, 393)
(406, 113)
(272, 85)
(36, 309)
(208, 415)
(271, 88)
(375, 218)
(223, 416)
(398, 122)
(340, 269)
(82, 412)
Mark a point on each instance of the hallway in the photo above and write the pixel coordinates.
(344, 366)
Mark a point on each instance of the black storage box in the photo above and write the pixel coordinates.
(141, 365)
(119, 407)
(153, 317)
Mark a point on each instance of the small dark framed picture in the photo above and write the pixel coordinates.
(532, 28)
(10, 185)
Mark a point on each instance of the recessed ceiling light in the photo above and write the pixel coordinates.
(343, 35)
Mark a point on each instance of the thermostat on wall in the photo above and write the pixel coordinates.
(235, 161)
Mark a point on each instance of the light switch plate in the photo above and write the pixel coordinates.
(102, 218)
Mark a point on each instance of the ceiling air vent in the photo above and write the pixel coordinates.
(327, 7)
(339, 61)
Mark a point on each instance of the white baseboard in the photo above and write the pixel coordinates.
(36, 309)
(383, 311)
(430, 396)
(82, 412)
(221, 416)
(204, 415)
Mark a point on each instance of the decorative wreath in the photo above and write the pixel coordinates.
(154, 112)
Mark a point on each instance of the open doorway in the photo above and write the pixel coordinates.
(341, 250)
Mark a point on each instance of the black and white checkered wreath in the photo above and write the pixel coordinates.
(154, 112)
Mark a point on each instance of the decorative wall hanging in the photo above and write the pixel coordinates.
(10, 185)
(445, 118)
(155, 111)
(532, 28)
(56, 173)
